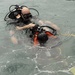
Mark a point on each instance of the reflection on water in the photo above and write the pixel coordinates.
(17, 62)
(35, 61)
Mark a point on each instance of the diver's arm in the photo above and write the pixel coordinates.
(25, 27)
(52, 25)
(49, 23)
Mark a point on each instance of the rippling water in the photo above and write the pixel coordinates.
(24, 59)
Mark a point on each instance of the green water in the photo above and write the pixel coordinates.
(22, 59)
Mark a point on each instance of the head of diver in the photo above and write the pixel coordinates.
(25, 13)
(16, 12)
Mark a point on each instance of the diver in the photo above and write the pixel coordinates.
(22, 16)
(41, 34)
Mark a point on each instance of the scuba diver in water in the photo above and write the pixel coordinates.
(19, 16)
(22, 18)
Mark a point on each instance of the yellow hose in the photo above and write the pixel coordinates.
(72, 70)
(73, 35)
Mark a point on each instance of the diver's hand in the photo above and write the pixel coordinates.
(18, 28)
(31, 25)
